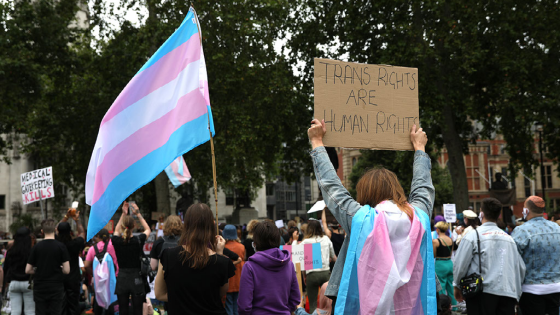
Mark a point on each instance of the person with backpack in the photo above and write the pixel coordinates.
(48, 263)
(74, 246)
(171, 232)
(129, 250)
(94, 258)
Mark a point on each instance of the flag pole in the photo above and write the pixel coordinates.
(211, 138)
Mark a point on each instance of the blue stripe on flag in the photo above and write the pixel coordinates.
(181, 35)
(172, 176)
(184, 139)
(317, 258)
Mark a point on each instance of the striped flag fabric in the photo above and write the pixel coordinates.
(178, 172)
(162, 113)
(308, 255)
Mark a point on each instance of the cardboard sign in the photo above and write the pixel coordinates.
(307, 255)
(36, 185)
(279, 224)
(449, 213)
(318, 206)
(366, 106)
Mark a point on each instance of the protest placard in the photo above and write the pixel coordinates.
(307, 255)
(366, 106)
(37, 185)
(449, 213)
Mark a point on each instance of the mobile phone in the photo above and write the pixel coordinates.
(75, 205)
(131, 209)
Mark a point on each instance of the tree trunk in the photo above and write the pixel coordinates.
(162, 193)
(456, 163)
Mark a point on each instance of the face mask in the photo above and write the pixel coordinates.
(525, 213)
(254, 248)
(480, 216)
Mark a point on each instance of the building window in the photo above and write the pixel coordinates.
(502, 149)
(290, 196)
(548, 176)
(354, 161)
(2, 201)
(270, 189)
(473, 177)
(229, 196)
(527, 188)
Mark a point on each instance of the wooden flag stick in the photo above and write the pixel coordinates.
(214, 175)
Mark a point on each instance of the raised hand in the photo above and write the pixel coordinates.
(418, 138)
(316, 132)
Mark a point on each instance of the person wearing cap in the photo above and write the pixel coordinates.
(233, 244)
(470, 219)
(501, 267)
(74, 246)
(538, 242)
(15, 276)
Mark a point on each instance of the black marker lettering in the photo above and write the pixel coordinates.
(360, 97)
(381, 78)
(369, 77)
(352, 95)
(380, 124)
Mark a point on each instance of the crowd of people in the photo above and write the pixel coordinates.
(381, 254)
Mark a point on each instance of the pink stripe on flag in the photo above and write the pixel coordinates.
(183, 176)
(379, 270)
(289, 249)
(146, 140)
(160, 73)
(308, 256)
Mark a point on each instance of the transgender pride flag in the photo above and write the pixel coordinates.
(162, 113)
(178, 172)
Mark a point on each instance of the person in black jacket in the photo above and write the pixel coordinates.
(14, 271)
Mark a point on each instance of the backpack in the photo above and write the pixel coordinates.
(104, 278)
(168, 242)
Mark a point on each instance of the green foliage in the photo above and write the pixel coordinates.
(63, 82)
(494, 63)
(401, 163)
(23, 220)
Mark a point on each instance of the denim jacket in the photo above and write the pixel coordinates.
(538, 242)
(502, 269)
(343, 207)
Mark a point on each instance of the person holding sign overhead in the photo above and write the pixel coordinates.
(384, 230)
(316, 277)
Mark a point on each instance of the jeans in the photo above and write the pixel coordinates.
(20, 294)
(231, 303)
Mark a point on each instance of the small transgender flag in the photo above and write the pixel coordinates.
(178, 172)
(162, 113)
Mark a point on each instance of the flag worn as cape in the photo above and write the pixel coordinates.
(178, 172)
(162, 113)
(389, 267)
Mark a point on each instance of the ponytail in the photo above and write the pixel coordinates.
(127, 234)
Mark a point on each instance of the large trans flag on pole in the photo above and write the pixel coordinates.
(162, 113)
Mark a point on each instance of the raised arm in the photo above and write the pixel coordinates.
(337, 198)
(328, 232)
(422, 191)
(118, 228)
(145, 225)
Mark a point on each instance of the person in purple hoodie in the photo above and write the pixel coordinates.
(268, 265)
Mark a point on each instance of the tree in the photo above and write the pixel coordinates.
(401, 162)
(489, 63)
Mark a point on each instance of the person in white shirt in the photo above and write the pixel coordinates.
(315, 278)
(470, 219)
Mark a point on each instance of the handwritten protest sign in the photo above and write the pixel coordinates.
(37, 182)
(307, 255)
(366, 106)
(449, 213)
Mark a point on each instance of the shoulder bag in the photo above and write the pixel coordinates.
(472, 285)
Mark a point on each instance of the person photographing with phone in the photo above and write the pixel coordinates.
(74, 246)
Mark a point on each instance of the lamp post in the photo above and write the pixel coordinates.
(539, 128)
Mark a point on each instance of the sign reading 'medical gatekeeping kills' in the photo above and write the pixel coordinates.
(366, 106)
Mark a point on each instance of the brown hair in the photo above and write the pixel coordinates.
(380, 184)
(173, 226)
(199, 235)
(491, 208)
(313, 229)
(127, 225)
(48, 226)
(266, 236)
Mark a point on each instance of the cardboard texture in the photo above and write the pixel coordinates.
(366, 106)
